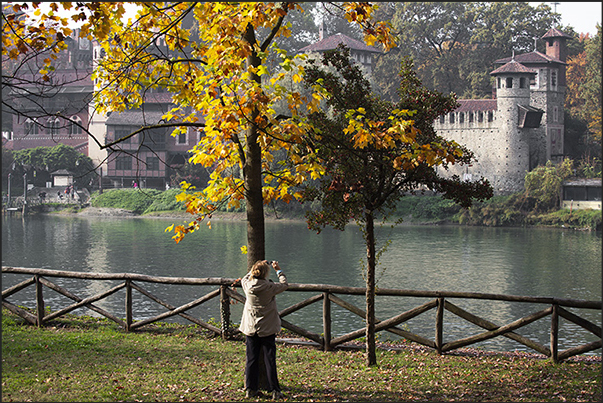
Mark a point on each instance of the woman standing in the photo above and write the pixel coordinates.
(260, 323)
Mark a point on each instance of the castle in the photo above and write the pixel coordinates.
(521, 127)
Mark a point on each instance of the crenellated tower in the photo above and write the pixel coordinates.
(510, 159)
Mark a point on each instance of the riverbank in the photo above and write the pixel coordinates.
(516, 210)
(116, 212)
(90, 359)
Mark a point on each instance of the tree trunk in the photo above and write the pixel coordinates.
(371, 357)
(255, 202)
(252, 174)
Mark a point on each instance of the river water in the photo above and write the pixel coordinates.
(513, 261)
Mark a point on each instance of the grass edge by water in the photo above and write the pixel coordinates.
(81, 358)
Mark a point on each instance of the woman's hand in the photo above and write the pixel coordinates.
(275, 265)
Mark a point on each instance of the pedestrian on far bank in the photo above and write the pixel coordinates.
(260, 323)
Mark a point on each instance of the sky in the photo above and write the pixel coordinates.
(583, 17)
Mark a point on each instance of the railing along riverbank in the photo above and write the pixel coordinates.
(225, 293)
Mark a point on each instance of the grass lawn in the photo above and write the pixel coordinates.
(79, 359)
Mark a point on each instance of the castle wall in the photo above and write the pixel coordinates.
(501, 152)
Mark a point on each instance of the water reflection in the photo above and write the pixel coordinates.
(516, 261)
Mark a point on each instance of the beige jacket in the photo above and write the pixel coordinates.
(260, 315)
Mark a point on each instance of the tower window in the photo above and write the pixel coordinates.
(452, 118)
(553, 79)
(522, 82)
(534, 80)
(509, 82)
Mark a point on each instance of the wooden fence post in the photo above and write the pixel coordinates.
(439, 325)
(555, 333)
(326, 321)
(128, 304)
(39, 301)
(224, 312)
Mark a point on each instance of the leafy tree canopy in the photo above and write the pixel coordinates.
(455, 44)
(50, 159)
(216, 61)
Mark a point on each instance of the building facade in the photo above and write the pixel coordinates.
(53, 111)
(150, 157)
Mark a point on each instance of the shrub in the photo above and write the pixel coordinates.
(135, 200)
(166, 201)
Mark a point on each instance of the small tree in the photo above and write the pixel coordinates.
(545, 182)
(374, 152)
(42, 161)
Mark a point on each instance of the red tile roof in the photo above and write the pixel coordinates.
(473, 105)
(333, 41)
(513, 67)
(555, 33)
(530, 58)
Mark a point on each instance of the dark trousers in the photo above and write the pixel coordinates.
(255, 346)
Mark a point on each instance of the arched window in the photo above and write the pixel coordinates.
(535, 80)
(31, 127)
(75, 126)
(53, 126)
(554, 79)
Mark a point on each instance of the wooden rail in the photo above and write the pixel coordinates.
(555, 308)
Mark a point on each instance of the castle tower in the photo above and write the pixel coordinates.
(548, 94)
(554, 93)
(515, 119)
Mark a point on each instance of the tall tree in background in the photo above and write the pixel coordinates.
(592, 89)
(454, 45)
(583, 98)
(371, 160)
(42, 161)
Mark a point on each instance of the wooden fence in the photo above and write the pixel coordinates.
(327, 294)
